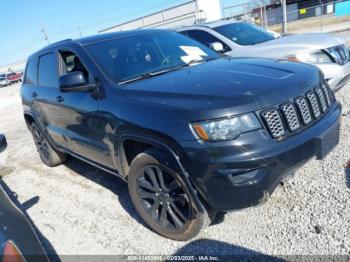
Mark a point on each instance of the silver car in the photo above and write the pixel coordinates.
(328, 52)
(4, 81)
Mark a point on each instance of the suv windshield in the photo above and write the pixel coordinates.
(147, 54)
(244, 33)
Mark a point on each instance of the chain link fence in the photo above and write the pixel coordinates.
(318, 18)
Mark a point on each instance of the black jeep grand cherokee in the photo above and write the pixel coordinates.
(193, 134)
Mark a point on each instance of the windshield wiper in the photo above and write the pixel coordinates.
(143, 76)
(156, 73)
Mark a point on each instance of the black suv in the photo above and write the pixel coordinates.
(194, 135)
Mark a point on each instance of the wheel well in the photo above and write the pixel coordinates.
(29, 119)
(131, 148)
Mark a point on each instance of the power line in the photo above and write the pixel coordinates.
(73, 28)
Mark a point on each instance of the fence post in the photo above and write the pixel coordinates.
(284, 16)
(321, 16)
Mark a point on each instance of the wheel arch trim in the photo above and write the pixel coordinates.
(199, 208)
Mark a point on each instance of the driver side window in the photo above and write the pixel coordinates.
(70, 62)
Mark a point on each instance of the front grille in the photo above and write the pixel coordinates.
(340, 54)
(303, 111)
(321, 98)
(314, 104)
(274, 122)
(291, 116)
(328, 94)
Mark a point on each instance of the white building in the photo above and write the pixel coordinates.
(194, 11)
(17, 67)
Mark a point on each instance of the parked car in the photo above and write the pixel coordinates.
(327, 52)
(18, 241)
(4, 81)
(192, 133)
(14, 77)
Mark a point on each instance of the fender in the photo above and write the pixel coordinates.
(198, 206)
(43, 130)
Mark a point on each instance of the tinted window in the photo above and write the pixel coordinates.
(244, 33)
(48, 70)
(72, 63)
(127, 57)
(30, 73)
(205, 38)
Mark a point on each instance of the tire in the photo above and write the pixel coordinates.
(161, 198)
(48, 155)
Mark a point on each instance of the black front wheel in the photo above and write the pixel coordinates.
(161, 198)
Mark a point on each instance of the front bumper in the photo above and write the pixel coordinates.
(336, 75)
(244, 172)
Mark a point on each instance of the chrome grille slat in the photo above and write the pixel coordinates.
(274, 122)
(322, 99)
(304, 110)
(314, 104)
(291, 116)
(328, 95)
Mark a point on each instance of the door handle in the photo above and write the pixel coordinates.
(34, 94)
(59, 99)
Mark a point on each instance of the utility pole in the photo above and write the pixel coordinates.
(321, 15)
(43, 31)
(81, 35)
(265, 15)
(284, 16)
(261, 15)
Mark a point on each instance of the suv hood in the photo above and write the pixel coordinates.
(290, 44)
(228, 85)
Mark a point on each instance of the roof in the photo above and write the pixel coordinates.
(98, 38)
(210, 24)
(113, 35)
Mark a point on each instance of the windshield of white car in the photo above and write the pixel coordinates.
(244, 33)
(144, 55)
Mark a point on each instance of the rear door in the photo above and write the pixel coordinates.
(45, 94)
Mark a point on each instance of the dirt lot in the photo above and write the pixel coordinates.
(77, 209)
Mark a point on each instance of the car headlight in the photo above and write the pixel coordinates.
(312, 57)
(226, 128)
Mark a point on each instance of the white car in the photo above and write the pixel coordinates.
(240, 39)
(4, 81)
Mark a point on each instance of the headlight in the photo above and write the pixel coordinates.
(312, 57)
(226, 128)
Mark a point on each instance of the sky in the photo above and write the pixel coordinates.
(21, 24)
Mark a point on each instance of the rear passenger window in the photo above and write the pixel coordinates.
(29, 78)
(48, 70)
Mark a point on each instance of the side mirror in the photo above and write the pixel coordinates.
(3, 143)
(74, 82)
(217, 47)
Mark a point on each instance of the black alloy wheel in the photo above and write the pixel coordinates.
(163, 198)
(41, 143)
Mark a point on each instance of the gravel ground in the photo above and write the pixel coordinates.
(81, 210)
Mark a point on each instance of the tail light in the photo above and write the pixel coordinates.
(11, 253)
